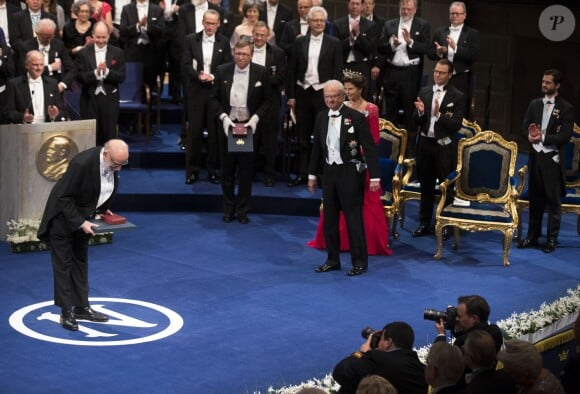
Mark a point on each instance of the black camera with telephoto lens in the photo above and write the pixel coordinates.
(367, 331)
(448, 315)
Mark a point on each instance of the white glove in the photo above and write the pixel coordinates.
(227, 123)
(253, 123)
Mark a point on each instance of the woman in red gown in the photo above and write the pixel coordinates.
(375, 223)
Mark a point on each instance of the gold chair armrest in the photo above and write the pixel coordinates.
(409, 165)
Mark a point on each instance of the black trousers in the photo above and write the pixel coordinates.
(434, 162)
(309, 103)
(105, 109)
(401, 85)
(342, 190)
(243, 164)
(545, 189)
(200, 118)
(69, 253)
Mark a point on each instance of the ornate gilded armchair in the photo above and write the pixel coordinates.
(571, 202)
(410, 187)
(484, 178)
(392, 145)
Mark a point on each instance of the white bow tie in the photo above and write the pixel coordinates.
(454, 29)
(208, 40)
(238, 71)
(260, 50)
(100, 50)
(44, 49)
(316, 39)
(34, 81)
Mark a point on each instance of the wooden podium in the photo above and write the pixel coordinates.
(30, 164)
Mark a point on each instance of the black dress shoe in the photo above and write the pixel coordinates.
(550, 246)
(192, 178)
(88, 313)
(228, 218)
(301, 180)
(269, 182)
(213, 178)
(68, 321)
(243, 219)
(529, 241)
(354, 271)
(328, 267)
(421, 231)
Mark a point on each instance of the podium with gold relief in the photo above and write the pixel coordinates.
(33, 158)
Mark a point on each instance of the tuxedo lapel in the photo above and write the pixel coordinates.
(305, 45)
(228, 80)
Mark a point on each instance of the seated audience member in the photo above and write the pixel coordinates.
(375, 384)
(472, 314)
(523, 362)
(391, 357)
(444, 370)
(77, 32)
(481, 358)
(571, 373)
(33, 98)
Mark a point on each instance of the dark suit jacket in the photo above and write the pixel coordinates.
(7, 66)
(276, 66)
(259, 90)
(467, 49)
(354, 135)
(130, 35)
(21, 27)
(400, 367)
(186, 20)
(491, 381)
(76, 194)
(452, 110)
(283, 15)
(86, 64)
(375, 34)
(57, 50)
(18, 99)
(420, 32)
(192, 50)
(292, 30)
(329, 61)
(560, 126)
(362, 46)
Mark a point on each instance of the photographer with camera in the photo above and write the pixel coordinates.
(471, 314)
(387, 353)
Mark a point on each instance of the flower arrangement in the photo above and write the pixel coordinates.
(515, 326)
(22, 236)
(22, 230)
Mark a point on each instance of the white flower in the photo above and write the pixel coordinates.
(23, 230)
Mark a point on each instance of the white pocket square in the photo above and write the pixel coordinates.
(449, 105)
(258, 84)
(350, 130)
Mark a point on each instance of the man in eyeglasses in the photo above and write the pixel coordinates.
(86, 189)
(460, 44)
(439, 110)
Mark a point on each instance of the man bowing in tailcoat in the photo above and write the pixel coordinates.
(86, 188)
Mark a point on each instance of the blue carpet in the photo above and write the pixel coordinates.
(254, 312)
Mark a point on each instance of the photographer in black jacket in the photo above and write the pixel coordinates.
(472, 314)
(391, 357)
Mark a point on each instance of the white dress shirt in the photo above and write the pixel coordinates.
(207, 44)
(259, 56)
(549, 103)
(37, 99)
(454, 33)
(107, 182)
(271, 15)
(333, 137)
(239, 94)
(401, 58)
(438, 95)
(4, 22)
(311, 77)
